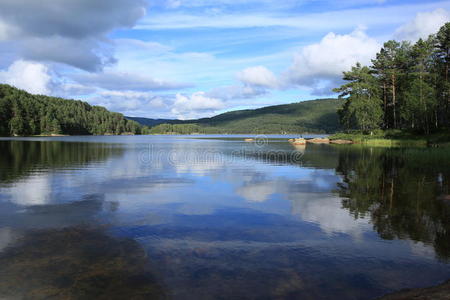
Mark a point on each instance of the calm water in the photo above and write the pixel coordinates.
(217, 218)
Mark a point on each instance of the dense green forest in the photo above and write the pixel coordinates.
(407, 87)
(315, 116)
(22, 114)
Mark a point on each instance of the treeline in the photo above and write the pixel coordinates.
(23, 114)
(407, 87)
(180, 129)
(256, 128)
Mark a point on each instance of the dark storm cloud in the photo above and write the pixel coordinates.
(73, 32)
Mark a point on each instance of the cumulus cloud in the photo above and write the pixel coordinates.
(131, 103)
(30, 76)
(327, 59)
(423, 25)
(125, 81)
(195, 105)
(66, 31)
(71, 90)
(232, 92)
(258, 76)
(87, 54)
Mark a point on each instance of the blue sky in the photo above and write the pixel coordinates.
(189, 59)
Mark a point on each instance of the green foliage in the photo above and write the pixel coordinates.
(407, 87)
(362, 108)
(318, 116)
(24, 114)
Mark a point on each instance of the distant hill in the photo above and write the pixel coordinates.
(314, 116)
(22, 113)
(151, 122)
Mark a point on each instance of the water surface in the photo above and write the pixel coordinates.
(215, 217)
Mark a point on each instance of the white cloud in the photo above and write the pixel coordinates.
(327, 59)
(336, 17)
(30, 76)
(236, 92)
(196, 105)
(5, 30)
(135, 45)
(88, 54)
(424, 24)
(131, 103)
(114, 80)
(173, 3)
(258, 76)
(72, 90)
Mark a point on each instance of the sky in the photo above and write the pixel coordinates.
(187, 59)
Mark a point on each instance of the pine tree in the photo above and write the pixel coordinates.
(363, 106)
(442, 58)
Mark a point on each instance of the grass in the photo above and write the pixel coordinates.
(396, 138)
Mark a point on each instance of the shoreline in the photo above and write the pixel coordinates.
(436, 292)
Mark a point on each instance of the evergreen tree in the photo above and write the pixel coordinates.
(419, 106)
(389, 65)
(442, 58)
(363, 107)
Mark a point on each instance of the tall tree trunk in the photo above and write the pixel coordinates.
(386, 123)
(446, 89)
(394, 100)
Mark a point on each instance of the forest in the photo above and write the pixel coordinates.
(24, 114)
(407, 87)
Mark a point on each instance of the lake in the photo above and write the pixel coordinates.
(214, 217)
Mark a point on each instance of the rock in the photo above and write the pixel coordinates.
(318, 141)
(299, 141)
(341, 142)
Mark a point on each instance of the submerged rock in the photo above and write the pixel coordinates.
(341, 142)
(76, 263)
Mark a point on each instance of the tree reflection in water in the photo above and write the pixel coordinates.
(20, 158)
(403, 191)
